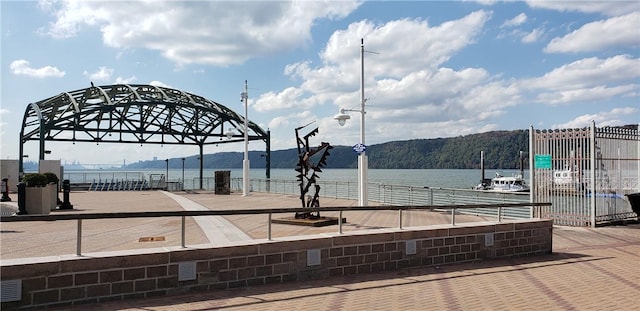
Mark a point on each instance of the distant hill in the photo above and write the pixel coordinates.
(501, 150)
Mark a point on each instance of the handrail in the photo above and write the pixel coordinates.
(269, 211)
(19, 218)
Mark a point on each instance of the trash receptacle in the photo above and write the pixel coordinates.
(223, 182)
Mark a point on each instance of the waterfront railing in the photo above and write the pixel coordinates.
(453, 209)
(398, 195)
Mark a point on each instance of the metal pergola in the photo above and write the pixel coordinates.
(135, 114)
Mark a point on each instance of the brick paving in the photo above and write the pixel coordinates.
(589, 269)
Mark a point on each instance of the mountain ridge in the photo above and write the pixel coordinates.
(501, 149)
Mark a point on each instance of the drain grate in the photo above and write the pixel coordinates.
(151, 239)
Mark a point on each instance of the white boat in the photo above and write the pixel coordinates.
(567, 177)
(515, 183)
(499, 183)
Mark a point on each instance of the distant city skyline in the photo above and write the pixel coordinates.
(440, 68)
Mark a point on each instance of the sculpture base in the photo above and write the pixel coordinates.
(317, 222)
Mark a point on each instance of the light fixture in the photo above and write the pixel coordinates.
(229, 134)
(342, 117)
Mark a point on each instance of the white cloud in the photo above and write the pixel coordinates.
(600, 35)
(23, 67)
(587, 73)
(279, 122)
(533, 36)
(593, 94)
(406, 65)
(102, 74)
(516, 21)
(220, 33)
(160, 84)
(609, 8)
(605, 118)
(121, 80)
(288, 98)
(405, 82)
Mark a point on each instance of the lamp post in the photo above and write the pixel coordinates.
(245, 162)
(360, 148)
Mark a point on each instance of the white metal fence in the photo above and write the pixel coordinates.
(585, 173)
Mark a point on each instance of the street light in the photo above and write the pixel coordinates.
(229, 134)
(245, 163)
(360, 148)
(342, 117)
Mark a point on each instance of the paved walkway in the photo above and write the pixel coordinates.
(589, 269)
(216, 228)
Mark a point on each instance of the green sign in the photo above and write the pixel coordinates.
(542, 161)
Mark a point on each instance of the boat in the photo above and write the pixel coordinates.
(567, 177)
(569, 180)
(500, 183)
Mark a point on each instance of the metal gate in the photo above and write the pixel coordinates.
(585, 173)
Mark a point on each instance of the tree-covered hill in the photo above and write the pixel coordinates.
(501, 150)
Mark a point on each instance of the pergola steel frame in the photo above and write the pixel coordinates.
(135, 114)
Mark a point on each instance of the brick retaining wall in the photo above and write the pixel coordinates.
(94, 277)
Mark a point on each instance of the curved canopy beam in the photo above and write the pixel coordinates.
(136, 113)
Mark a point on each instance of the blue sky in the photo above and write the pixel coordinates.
(440, 68)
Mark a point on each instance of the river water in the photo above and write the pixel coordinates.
(445, 178)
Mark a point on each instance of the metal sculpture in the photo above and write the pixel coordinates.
(310, 163)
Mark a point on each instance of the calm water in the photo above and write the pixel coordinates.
(445, 178)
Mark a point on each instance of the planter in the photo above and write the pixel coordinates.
(53, 196)
(37, 200)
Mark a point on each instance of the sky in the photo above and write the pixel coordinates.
(431, 68)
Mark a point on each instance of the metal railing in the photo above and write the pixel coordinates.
(397, 195)
(454, 209)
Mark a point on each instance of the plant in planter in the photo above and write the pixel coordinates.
(37, 196)
(35, 180)
(52, 178)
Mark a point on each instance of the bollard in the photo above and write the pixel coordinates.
(22, 199)
(66, 189)
(5, 190)
(58, 201)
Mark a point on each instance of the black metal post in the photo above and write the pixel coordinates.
(182, 174)
(5, 190)
(22, 199)
(66, 189)
(201, 158)
(166, 178)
